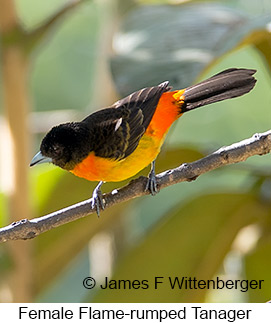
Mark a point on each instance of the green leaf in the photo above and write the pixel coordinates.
(191, 241)
(6, 262)
(257, 267)
(3, 210)
(261, 40)
(71, 53)
(56, 248)
(32, 13)
(43, 181)
(176, 43)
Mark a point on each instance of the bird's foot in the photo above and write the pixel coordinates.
(152, 186)
(97, 201)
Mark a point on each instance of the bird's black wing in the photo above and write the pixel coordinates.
(117, 130)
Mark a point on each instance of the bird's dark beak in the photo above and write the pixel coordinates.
(39, 159)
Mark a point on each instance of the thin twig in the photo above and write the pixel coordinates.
(259, 144)
(34, 37)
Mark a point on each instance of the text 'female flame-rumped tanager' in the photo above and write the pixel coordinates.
(115, 143)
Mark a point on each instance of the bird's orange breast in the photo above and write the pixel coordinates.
(94, 168)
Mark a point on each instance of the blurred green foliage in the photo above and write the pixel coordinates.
(187, 229)
(188, 243)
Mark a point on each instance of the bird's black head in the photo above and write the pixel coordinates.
(66, 144)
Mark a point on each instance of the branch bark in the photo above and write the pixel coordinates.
(259, 144)
(34, 37)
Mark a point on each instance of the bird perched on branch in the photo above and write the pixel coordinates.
(115, 143)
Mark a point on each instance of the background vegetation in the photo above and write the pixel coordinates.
(61, 60)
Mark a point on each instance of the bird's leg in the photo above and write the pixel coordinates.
(97, 198)
(152, 184)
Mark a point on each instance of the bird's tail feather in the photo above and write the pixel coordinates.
(228, 84)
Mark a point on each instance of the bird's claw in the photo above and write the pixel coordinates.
(152, 186)
(97, 201)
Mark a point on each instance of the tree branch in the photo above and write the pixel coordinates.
(259, 144)
(33, 38)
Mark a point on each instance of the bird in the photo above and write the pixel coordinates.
(115, 143)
